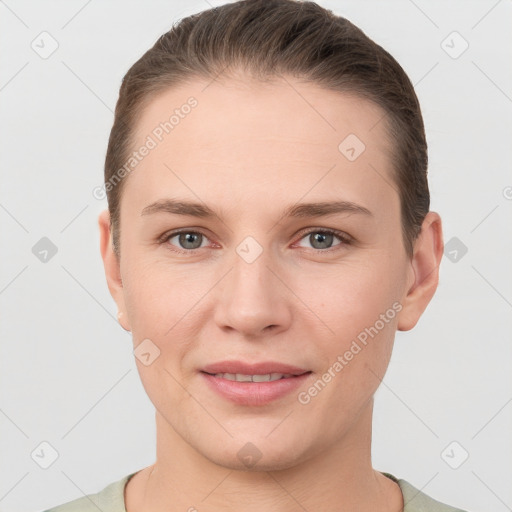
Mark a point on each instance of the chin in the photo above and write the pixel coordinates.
(262, 465)
(259, 455)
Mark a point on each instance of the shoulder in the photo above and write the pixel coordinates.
(109, 499)
(417, 501)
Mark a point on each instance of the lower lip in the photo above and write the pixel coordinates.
(254, 393)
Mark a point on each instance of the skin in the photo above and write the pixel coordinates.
(248, 151)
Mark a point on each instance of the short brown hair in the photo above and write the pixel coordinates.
(267, 38)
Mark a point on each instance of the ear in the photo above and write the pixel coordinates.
(424, 271)
(112, 268)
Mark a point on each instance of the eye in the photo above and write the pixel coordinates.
(322, 239)
(186, 240)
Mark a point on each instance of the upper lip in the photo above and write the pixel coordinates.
(261, 368)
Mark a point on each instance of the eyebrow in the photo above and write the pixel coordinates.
(300, 210)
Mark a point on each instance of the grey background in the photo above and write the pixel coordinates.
(68, 375)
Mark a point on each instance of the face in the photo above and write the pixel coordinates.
(255, 273)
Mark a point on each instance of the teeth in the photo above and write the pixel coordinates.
(239, 377)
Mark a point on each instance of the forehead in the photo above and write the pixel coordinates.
(283, 135)
(283, 106)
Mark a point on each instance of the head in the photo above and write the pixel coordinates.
(261, 113)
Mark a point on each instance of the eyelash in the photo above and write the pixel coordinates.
(342, 236)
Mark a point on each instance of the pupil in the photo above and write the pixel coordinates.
(188, 238)
(322, 238)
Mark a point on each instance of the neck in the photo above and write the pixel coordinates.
(339, 477)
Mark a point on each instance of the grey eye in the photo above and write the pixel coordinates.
(188, 240)
(321, 240)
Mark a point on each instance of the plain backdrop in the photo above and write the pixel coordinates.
(443, 413)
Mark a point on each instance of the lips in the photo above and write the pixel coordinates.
(254, 384)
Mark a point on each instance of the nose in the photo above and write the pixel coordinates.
(252, 299)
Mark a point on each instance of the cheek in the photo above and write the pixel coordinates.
(360, 305)
(162, 306)
(159, 300)
(354, 297)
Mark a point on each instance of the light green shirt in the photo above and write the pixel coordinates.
(111, 499)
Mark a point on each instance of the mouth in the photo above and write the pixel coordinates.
(265, 377)
(253, 383)
(262, 368)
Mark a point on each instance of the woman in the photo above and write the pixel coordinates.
(268, 231)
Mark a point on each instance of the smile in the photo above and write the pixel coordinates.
(239, 377)
(254, 389)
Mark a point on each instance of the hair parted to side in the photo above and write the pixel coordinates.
(268, 38)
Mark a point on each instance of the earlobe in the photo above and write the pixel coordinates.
(123, 322)
(112, 267)
(428, 251)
